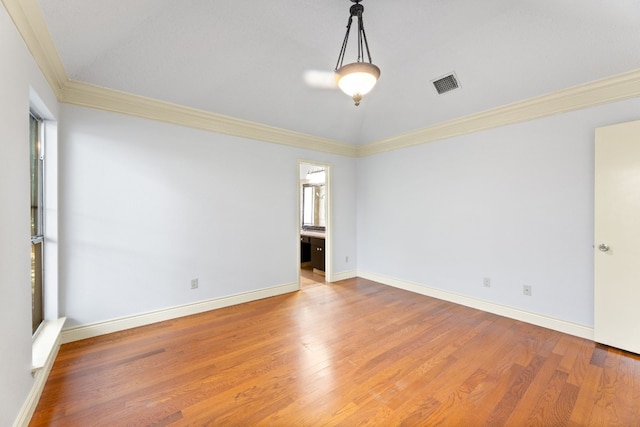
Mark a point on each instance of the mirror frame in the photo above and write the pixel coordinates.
(312, 226)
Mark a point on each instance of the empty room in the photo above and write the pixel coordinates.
(319, 213)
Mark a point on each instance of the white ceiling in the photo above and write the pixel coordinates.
(246, 59)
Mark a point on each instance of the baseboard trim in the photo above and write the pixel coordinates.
(336, 277)
(101, 328)
(40, 379)
(501, 310)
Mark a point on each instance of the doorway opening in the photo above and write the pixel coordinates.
(314, 224)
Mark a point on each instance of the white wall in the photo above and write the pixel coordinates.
(514, 204)
(148, 206)
(17, 73)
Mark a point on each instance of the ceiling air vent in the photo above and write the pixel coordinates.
(446, 83)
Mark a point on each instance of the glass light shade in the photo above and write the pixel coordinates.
(357, 78)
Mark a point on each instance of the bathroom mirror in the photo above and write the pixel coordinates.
(314, 206)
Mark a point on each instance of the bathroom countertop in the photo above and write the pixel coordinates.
(311, 233)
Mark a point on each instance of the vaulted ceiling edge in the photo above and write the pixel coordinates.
(29, 21)
(86, 95)
(610, 89)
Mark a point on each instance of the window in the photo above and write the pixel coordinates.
(36, 151)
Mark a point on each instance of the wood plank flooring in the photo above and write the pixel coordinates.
(350, 353)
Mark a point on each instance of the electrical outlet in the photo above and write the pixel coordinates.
(526, 289)
(346, 259)
(194, 283)
(487, 282)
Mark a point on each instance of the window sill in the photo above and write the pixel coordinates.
(45, 342)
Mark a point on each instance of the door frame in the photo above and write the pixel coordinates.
(328, 265)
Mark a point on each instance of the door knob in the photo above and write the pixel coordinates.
(603, 247)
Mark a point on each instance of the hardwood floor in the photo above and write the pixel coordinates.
(309, 278)
(348, 353)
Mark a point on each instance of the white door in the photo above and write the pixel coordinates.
(617, 236)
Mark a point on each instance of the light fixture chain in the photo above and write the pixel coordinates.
(360, 38)
(364, 35)
(344, 44)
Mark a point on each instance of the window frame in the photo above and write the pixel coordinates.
(38, 227)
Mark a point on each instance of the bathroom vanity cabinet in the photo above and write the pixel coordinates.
(312, 249)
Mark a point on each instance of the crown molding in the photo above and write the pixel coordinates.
(29, 21)
(86, 95)
(610, 89)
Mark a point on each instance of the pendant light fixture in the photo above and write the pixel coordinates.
(357, 78)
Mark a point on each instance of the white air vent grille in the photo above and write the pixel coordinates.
(446, 83)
